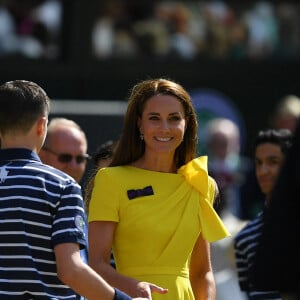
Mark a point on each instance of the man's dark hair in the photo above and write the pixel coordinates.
(22, 103)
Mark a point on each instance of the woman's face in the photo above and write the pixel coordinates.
(163, 124)
(268, 161)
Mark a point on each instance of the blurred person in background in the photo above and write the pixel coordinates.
(103, 155)
(65, 147)
(277, 263)
(286, 113)
(285, 116)
(101, 158)
(228, 167)
(270, 149)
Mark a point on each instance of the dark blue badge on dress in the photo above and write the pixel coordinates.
(146, 191)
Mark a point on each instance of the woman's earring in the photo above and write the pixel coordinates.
(141, 136)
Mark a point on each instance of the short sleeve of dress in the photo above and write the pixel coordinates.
(195, 173)
(104, 203)
(69, 219)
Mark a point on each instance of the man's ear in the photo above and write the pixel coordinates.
(41, 126)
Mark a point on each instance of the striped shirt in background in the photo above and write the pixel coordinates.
(245, 246)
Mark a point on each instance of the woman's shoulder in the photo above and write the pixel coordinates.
(126, 170)
(128, 173)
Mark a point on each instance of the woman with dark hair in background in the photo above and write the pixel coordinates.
(277, 261)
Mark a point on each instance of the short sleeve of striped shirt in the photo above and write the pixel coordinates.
(69, 221)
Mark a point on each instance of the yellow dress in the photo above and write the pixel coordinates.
(156, 233)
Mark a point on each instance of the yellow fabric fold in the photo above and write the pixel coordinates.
(196, 174)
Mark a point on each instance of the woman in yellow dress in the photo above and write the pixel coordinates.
(153, 205)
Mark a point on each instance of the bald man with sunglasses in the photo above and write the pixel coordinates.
(65, 147)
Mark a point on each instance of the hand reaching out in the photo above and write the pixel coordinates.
(144, 289)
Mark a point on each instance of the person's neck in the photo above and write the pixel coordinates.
(9, 143)
(267, 199)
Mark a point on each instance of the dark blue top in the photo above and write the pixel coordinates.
(245, 246)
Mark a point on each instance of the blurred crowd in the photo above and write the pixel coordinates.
(30, 28)
(189, 29)
(159, 29)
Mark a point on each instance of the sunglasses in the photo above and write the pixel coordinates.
(66, 158)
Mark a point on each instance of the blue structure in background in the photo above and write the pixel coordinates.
(211, 104)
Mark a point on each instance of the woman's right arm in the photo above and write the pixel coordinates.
(101, 235)
(100, 242)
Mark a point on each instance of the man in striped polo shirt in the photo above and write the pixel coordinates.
(270, 149)
(41, 210)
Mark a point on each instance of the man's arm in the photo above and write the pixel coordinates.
(73, 272)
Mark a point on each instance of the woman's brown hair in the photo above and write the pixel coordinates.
(130, 146)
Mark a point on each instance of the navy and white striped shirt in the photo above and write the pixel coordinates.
(245, 246)
(40, 207)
